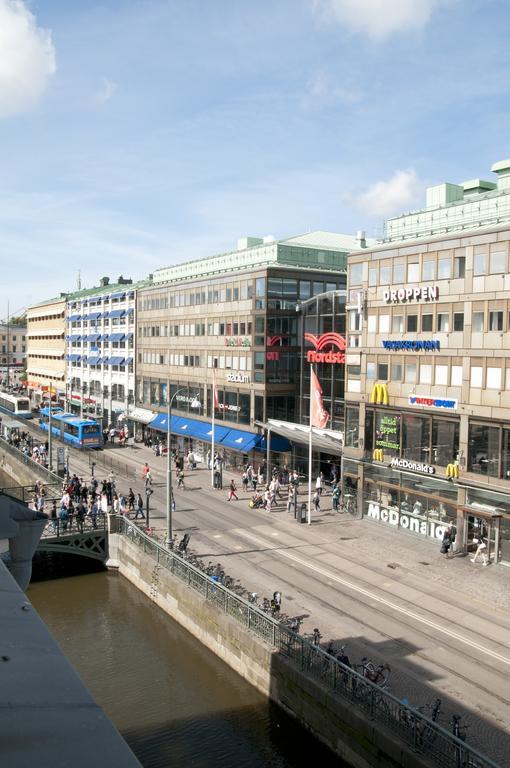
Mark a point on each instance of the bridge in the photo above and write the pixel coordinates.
(87, 537)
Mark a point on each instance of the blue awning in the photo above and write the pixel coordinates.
(129, 335)
(117, 313)
(200, 430)
(104, 337)
(92, 316)
(279, 444)
(115, 361)
(117, 295)
(73, 358)
(92, 337)
(116, 336)
(75, 337)
(241, 440)
(128, 361)
(93, 360)
(73, 318)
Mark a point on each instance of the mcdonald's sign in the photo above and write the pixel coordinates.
(452, 471)
(379, 394)
(378, 454)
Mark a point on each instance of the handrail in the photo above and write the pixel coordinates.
(419, 732)
(54, 478)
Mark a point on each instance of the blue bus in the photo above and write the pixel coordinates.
(15, 405)
(82, 433)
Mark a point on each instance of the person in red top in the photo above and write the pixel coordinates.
(232, 491)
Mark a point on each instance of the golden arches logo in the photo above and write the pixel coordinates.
(379, 394)
(378, 454)
(452, 471)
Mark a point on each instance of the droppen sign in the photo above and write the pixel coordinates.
(329, 348)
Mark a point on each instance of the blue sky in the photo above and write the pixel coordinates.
(138, 134)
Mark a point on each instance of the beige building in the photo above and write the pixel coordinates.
(46, 325)
(13, 342)
(427, 390)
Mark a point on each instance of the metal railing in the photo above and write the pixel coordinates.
(39, 469)
(26, 493)
(109, 463)
(56, 528)
(421, 734)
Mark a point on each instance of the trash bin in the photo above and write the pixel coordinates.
(302, 512)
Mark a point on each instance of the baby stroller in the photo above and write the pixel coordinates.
(256, 501)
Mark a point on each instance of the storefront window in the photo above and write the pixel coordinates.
(445, 441)
(387, 433)
(483, 449)
(505, 455)
(352, 427)
(416, 438)
(369, 431)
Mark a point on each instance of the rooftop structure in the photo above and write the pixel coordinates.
(326, 251)
(472, 204)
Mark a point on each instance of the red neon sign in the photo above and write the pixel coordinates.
(330, 341)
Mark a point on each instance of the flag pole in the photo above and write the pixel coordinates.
(213, 409)
(309, 516)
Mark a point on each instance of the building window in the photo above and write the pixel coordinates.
(387, 432)
(411, 373)
(382, 372)
(371, 371)
(443, 322)
(413, 273)
(477, 322)
(456, 376)
(493, 380)
(412, 323)
(384, 323)
(397, 324)
(459, 267)
(479, 264)
(351, 427)
(444, 269)
(372, 276)
(428, 270)
(445, 441)
(442, 375)
(425, 373)
(372, 324)
(476, 377)
(498, 262)
(495, 321)
(385, 274)
(483, 455)
(396, 372)
(354, 320)
(416, 438)
(355, 274)
(399, 274)
(458, 321)
(426, 323)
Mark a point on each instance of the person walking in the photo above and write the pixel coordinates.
(139, 507)
(131, 500)
(145, 469)
(335, 497)
(319, 483)
(232, 491)
(317, 500)
(448, 539)
(148, 480)
(481, 540)
(180, 479)
(244, 481)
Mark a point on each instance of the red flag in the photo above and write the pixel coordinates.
(318, 414)
(216, 402)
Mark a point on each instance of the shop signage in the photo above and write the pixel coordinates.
(433, 402)
(387, 433)
(414, 466)
(452, 470)
(228, 407)
(379, 394)
(272, 355)
(333, 341)
(237, 341)
(238, 378)
(416, 345)
(186, 399)
(395, 517)
(400, 295)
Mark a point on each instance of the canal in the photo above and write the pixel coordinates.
(174, 701)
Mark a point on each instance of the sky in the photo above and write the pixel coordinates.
(138, 134)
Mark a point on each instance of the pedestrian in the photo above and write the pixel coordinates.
(131, 500)
(335, 497)
(447, 541)
(481, 541)
(139, 507)
(217, 479)
(80, 515)
(260, 476)
(112, 435)
(268, 496)
(208, 458)
(317, 500)
(180, 479)
(145, 469)
(148, 480)
(104, 503)
(244, 481)
(319, 483)
(232, 491)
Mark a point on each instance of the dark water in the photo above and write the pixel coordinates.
(174, 702)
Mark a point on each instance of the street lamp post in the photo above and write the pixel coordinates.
(169, 493)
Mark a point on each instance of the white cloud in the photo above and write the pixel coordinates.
(106, 91)
(378, 18)
(398, 194)
(27, 58)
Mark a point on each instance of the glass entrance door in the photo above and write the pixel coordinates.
(504, 540)
(477, 528)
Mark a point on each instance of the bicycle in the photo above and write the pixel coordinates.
(379, 675)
